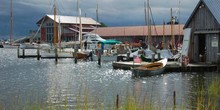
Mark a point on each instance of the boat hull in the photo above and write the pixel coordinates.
(150, 69)
(144, 73)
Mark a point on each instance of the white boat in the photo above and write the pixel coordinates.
(150, 69)
(28, 46)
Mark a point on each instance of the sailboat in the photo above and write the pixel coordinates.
(153, 68)
(10, 44)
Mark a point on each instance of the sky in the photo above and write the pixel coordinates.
(111, 12)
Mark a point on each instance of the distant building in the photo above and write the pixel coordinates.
(69, 27)
(133, 34)
(205, 24)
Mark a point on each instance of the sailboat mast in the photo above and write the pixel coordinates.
(80, 29)
(179, 21)
(172, 37)
(148, 21)
(97, 18)
(55, 25)
(164, 35)
(11, 26)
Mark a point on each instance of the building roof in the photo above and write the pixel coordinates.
(138, 31)
(212, 5)
(70, 20)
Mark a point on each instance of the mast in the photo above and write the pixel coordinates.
(55, 25)
(80, 29)
(11, 26)
(172, 37)
(148, 21)
(145, 18)
(97, 18)
(164, 35)
(179, 22)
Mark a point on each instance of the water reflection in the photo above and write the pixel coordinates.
(65, 82)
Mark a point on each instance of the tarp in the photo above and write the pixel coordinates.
(110, 42)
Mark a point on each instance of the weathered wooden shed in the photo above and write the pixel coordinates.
(205, 25)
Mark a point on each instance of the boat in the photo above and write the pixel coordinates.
(28, 46)
(150, 69)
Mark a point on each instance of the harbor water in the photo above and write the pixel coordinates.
(27, 81)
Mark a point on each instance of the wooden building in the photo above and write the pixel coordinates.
(133, 34)
(205, 24)
(68, 27)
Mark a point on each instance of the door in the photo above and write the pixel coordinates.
(202, 47)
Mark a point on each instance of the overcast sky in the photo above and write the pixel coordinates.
(111, 12)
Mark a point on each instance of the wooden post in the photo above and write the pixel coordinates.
(174, 100)
(99, 58)
(128, 56)
(18, 52)
(75, 55)
(117, 102)
(38, 54)
(56, 54)
(153, 56)
(23, 53)
(159, 57)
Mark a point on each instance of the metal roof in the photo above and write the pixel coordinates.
(214, 7)
(138, 31)
(72, 20)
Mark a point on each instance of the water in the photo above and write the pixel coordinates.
(23, 81)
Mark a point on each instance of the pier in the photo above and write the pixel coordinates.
(171, 66)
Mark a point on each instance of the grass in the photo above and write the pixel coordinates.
(205, 100)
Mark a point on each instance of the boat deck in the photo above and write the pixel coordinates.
(172, 66)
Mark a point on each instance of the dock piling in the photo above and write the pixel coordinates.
(56, 54)
(23, 53)
(18, 52)
(174, 100)
(99, 58)
(38, 54)
(153, 57)
(75, 55)
(117, 102)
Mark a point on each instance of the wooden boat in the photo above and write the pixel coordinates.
(81, 55)
(150, 69)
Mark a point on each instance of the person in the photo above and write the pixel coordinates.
(85, 45)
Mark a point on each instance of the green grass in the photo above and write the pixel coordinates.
(205, 100)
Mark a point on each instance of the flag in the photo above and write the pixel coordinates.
(136, 59)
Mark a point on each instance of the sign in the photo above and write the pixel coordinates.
(214, 42)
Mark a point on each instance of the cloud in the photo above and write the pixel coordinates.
(112, 12)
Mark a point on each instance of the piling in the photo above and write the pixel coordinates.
(153, 57)
(75, 55)
(159, 56)
(174, 100)
(38, 54)
(128, 56)
(56, 54)
(117, 102)
(99, 58)
(23, 53)
(18, 52)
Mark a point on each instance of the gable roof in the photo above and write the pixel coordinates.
(212, 5)
(70, 20)
(138, 31)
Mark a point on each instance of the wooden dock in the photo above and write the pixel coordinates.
(170, 67)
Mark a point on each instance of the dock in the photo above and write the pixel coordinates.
(172, 66)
